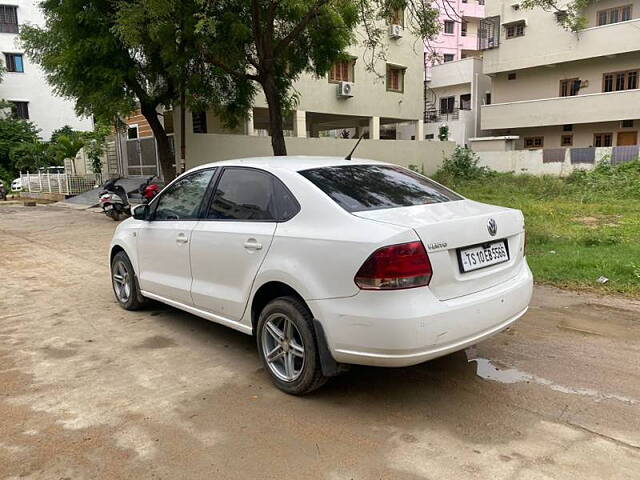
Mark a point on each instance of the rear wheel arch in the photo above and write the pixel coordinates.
(114, 251)
(270, 291)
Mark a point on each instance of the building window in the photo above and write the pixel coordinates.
(627, 123)
(487, 98)
(398, 17)
(569, 87)
(615, 81)
(566, 140)
(429, 136)
(511, 76)
(395, 78)
(199, 120)
(342, 71)
(8, 19)
(448, 27)
(13, 62)
(514, 30)
(463, 29)
(448, 57)
(533, 142)
(568, 127)
(132, 132)
(20, 109)
(447, 104)
(465, 101)
(614, 15)
(602, 139)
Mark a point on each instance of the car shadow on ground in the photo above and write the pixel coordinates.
(451, 369)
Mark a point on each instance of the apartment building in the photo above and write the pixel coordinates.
(455, 87)
(23, 83)
(553, 88)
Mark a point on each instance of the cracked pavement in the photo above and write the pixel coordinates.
(90, 391)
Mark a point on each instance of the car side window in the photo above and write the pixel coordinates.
(244, 194)
(288, 206)
(182, 200)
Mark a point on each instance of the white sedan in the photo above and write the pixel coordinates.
(327, 262)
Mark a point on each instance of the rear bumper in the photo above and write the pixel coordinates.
(408, 327)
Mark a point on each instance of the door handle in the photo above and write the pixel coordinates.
(252, 244)
(182, 238)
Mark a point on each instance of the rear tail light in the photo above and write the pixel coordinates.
(405, 265)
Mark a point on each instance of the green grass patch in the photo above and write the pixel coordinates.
(578, 228)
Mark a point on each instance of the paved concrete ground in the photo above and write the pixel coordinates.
(90, 391)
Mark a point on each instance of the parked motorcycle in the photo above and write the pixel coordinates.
(114, 199)
(148, 190)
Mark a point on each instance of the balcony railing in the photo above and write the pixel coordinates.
(434, 115)
(587, 108)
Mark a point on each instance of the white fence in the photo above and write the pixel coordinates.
(556, 161)
(61, 183)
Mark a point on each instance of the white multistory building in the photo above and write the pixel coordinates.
(23, 82)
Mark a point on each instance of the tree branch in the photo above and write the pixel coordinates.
(299, 28)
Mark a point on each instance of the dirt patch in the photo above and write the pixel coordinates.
(599, 221)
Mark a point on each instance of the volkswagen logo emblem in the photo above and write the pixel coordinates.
(492, 226)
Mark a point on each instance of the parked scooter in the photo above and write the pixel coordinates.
(114, 200)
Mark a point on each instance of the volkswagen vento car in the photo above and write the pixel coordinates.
(327, 262)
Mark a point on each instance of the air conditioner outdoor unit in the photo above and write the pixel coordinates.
(395, 31)
(345, 89)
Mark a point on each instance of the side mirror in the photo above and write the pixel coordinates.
(140, 212)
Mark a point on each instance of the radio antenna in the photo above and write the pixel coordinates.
(348, 157)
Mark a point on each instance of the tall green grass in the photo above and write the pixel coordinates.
(579, 228)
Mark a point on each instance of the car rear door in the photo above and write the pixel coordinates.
(231, 241)
(163, 241)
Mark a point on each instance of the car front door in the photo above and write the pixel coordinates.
(229, 244)
(163, 242)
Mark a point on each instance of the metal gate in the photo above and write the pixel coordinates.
(142, 157)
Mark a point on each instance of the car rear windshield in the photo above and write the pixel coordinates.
(372, 187)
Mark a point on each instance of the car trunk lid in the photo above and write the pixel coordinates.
(447, 227)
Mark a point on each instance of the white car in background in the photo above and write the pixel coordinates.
(16, 185)
(326, 261)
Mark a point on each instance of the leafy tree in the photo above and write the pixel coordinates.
(164, 36)
(95, 143)
(570, 15)
(13, 132)
(32, 155)
(84, 59)
(65, 147)
(271, 43)
(66, 130)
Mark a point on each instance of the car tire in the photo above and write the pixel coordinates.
(125, 283)
(285, 333)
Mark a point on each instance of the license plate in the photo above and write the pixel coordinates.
(481, 256)
(108, 207)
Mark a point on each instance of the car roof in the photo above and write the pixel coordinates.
(293, 163)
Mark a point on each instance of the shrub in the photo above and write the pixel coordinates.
(462, 164)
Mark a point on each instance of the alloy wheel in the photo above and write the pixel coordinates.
(121, 282)
(283, 347)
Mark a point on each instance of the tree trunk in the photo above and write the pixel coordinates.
(275, 115)
(165, 156)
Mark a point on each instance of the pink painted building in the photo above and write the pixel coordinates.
(458, 37)
(455, 87)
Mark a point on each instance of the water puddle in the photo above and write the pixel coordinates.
(487, 370)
